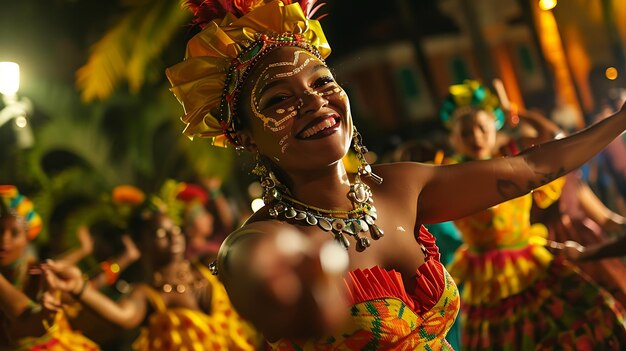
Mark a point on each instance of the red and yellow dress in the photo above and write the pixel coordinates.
(173, 329)
(384, 316)
(58, 337)
(517, 296)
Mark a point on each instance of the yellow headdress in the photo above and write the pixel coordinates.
(218, 59)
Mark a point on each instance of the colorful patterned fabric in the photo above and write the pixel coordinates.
(384, 316)
(517, 296)
(567, 220)
(58, 337)
(174, 329)
(448, 240)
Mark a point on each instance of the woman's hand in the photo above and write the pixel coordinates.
(64, 277)
(285, 283)
(615, 224)
(85, 239)
(573, 251)
(130, 249)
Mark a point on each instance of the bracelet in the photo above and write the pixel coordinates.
(81, 291)
(111, 271)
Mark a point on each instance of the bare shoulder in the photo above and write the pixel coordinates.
(403, 176)
(397, 170)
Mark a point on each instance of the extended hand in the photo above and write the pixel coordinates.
(572, 250)
(63, 277)
(85, 239)
(132, 252)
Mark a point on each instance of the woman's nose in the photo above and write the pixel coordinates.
(311, 101)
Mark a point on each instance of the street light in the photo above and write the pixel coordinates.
(9, 78)
(15, 108)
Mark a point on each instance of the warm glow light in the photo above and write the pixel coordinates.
(9, 78)
(257, 204)
(21, 121)
(611, 73)
(547, 4)
(255, 190)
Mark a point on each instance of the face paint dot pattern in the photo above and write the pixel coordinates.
(277, 125)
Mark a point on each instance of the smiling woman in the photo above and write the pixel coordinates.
(255, 78)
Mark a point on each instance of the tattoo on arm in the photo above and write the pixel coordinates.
(545, 178)
(508, 189)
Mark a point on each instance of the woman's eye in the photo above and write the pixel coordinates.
(320, 82)
(277, 99)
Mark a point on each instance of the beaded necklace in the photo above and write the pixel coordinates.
(183, 281)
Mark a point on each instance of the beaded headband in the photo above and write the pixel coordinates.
(21, 206)
(235, 36)
(470, 94)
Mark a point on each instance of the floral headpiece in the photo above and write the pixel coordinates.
(132, 201)
(470, 94)
(236, 34)
(22, 207)
(191, 193)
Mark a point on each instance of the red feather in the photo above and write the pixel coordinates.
(309, 9)
(205, 11)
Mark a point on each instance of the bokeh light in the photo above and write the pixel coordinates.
(21, 121)
(546, 5)
(611, 73)
(257, 204)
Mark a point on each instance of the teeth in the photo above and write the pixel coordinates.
(327, 123)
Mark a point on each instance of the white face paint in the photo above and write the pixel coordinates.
(286, 106)
(283, 143)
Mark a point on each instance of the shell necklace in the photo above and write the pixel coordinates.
(342, 224)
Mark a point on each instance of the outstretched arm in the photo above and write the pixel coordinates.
(128, 313)
(25, 315)
(115, 267)
(86, 247)
(598, 212)
(610, 248)
(455, 191)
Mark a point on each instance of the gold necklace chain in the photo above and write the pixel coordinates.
(349, 213)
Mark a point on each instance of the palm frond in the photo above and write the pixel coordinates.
(164, 19)
(106, 64)
(125, 51)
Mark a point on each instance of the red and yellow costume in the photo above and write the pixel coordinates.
(187, 329)
(384, 316)
(517, 296)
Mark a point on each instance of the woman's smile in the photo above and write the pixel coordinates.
(320, 127)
